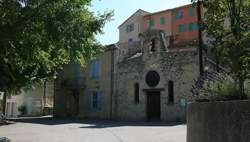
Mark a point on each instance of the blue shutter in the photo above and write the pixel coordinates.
(191, 26)
(180, 14)
(195, 26)
(95, 69)
(182, 28)
(90, 99)
(99, 100)
(191, 12)
(92, 68)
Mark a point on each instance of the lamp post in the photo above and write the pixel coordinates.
(201, 66)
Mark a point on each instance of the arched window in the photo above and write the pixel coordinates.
(170, 92)
(152, 45)
(136, 93)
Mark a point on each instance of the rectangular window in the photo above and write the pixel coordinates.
(182, 28)
(193, 26)
(94, 99)
(162, 20)
(130, 28)
(99, 100)
(190, 26)
(136, 93)
(95, 69)
(191, 11)
(130, 40)
(151, 22)
(179, 15)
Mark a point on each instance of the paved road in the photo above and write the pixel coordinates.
(52, 130)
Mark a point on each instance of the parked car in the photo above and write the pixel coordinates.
(4, 139)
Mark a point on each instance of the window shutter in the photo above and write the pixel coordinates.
(162, 20)
(151, 22)
(89, 98)
(195, 26)
(182, 28)
(99, 100)
(191, 12)
(191, 26)
(95, 69)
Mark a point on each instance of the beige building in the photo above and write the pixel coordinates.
(129, 30)
(33, 100)
(86, 92)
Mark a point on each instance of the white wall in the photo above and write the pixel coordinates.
(137, 20)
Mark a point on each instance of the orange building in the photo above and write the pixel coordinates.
(184, 24)
(180, 23)
(160, 20)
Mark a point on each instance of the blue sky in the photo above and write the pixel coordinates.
(123, 9)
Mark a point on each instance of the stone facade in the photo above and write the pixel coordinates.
(179, 67)
(122, 66)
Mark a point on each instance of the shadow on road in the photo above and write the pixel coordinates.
(92, 123)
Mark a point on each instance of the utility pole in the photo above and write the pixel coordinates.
(200, 38)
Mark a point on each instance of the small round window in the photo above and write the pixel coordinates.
(152, 78)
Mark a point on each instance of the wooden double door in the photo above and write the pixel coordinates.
(153, 106)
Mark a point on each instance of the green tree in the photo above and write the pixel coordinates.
(39, 36)
(227, 24)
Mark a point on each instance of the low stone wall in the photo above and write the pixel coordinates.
(219, 122)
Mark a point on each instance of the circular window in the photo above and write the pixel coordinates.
(152, 78)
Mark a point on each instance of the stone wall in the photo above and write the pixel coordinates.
(219, 122)
(179, 67)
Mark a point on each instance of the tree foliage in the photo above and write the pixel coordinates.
(226, 23)
(39, 36)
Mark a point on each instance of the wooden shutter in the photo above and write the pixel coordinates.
(99, 100)
(89, 99)
(95, 69)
